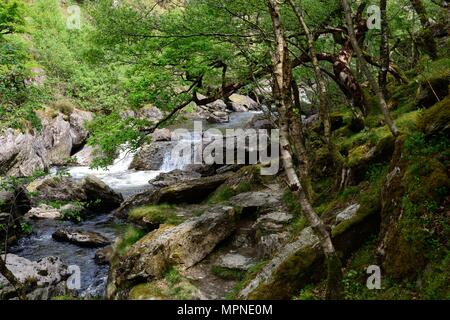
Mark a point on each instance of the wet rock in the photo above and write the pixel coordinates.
(43, 212)
(185, 245)
(237, 107)
(81, 238)
(43, 279)
(150, 156)
(235, 261)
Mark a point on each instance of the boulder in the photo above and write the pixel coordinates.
(161, 135)
(218, 117)
(237, 107)
(91, 190)
(150, 156)
(101, 196)
(347, 213)
(235, 261)
(244, 101)
(257, 201)
(21, 154)
(81, 238)
(78, 120)
(185, 245)
(166, 179)
(57, 138)
(43, 279)
(43, 212)
(85, 156)
(104, 255)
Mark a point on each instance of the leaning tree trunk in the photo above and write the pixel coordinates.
(282, 74)
(365, 69)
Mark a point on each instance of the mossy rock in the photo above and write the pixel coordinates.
(152, 216)
(436, 120)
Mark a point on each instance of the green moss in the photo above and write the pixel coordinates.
(228, 274)
(249, 275)
(129, 237)
(145, 291)
(435, 119)
(156, 214)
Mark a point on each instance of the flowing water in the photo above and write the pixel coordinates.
(128, 182)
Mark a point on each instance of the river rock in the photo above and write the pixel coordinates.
(185, 245)
(101, 196)
(218, 117)
(43, 279)
(43, 212)
(244, 101)
(81, 238)
(347, 213)
(150, 156)
(166, 179)
(91, 190)
(104, 255)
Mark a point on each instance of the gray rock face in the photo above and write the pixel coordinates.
(57, 139)
(78, 120)
(85, 156)
(258, 199)
(218, 117)
(235, 261)
(81, 238)
(150, 156)
(24, 153)
(21, 154)
(97, 191)
(184, 245)
(48, 277)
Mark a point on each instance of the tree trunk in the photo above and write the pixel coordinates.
(299, 143)
(428, 39)
(282, 95)
(384, 47)
(365, 69)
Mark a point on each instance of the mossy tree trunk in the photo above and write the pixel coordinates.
(282, 76)
(428, 39)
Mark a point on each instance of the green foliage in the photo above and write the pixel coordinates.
(26, 228)
(228, 274)
(157, 214)
(11, 17)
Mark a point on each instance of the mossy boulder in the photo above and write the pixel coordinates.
(415, 187)
(436, 120)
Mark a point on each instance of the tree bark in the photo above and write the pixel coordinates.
(384, 47)
(365, 69)
(282, 95)
(20, 290)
